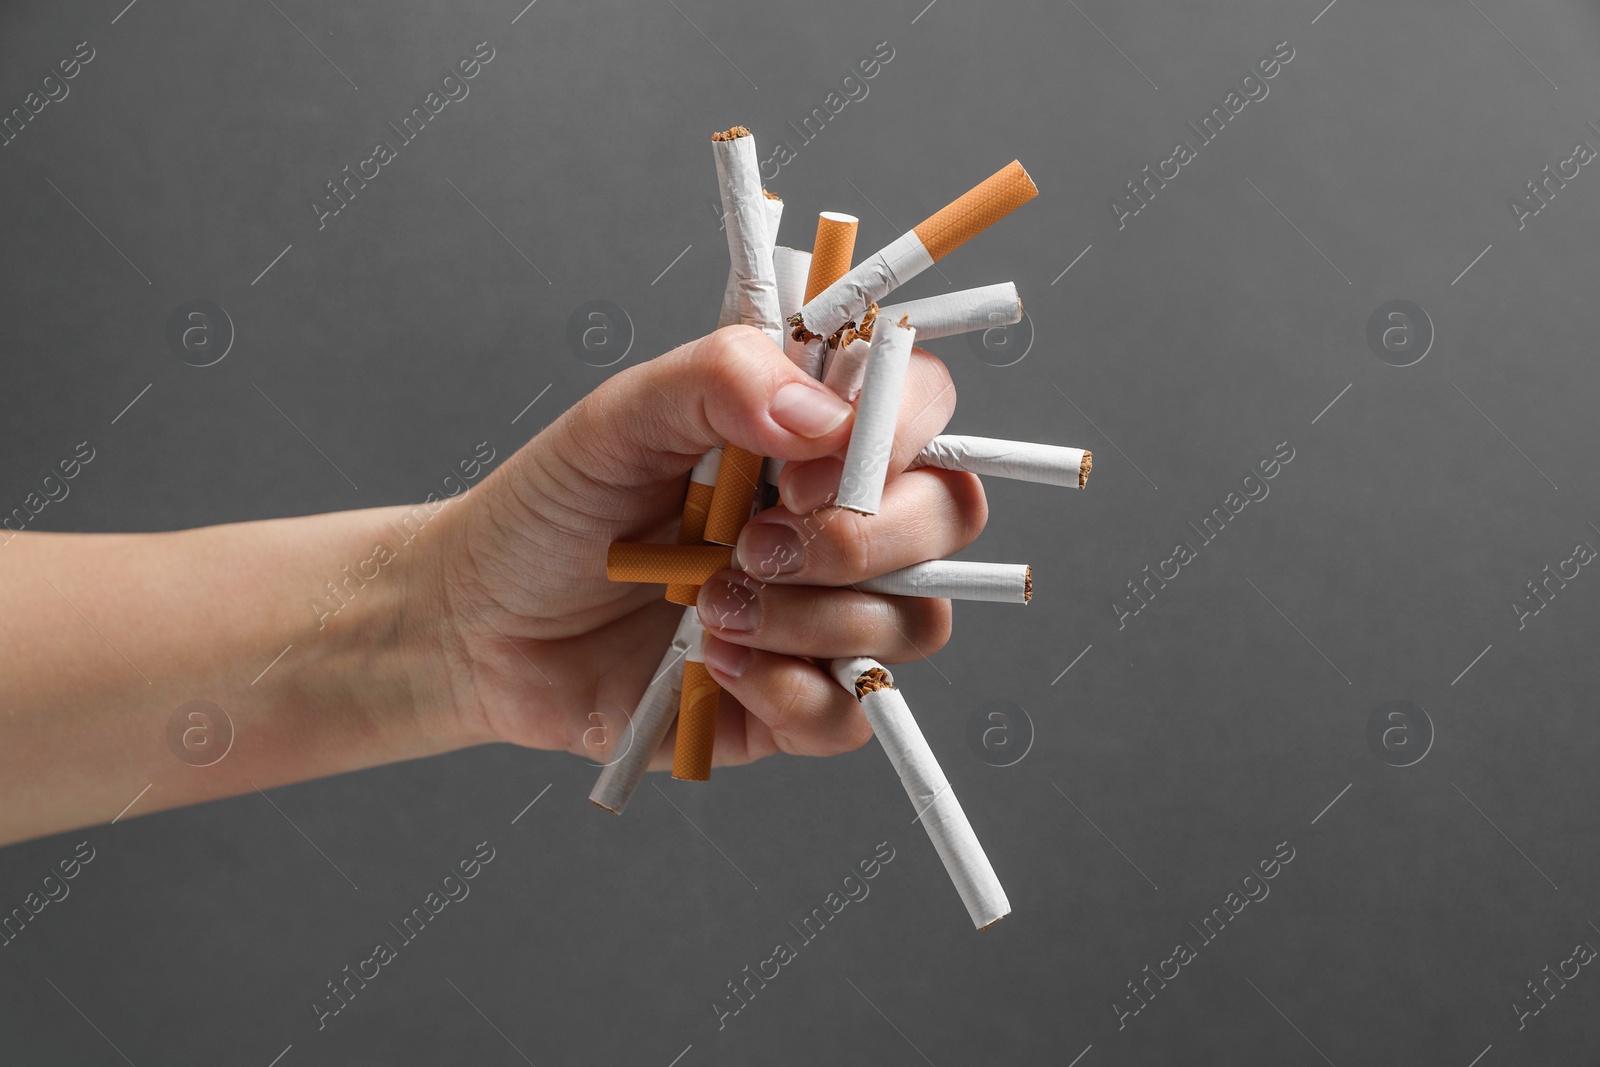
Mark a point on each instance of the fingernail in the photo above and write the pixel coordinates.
(731, 660)
(726, 605)
(766, 549)
(808, 410)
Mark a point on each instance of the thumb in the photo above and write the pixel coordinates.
(651, 422)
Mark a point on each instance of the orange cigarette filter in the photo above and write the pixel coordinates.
(975, 210)
(697, 723)
(734, 495)
(665, 564)
(691, 531)
(832, 250)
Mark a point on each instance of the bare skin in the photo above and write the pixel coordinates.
(490, 620)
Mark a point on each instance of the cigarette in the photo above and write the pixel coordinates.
(745, 215)
(1020, 460)
(866, 461)
(949, 579)
(730, 292)
(918, 249)
(938, 809)
(734, 495)
(948, 314)
(831, 251)
(665, 564)
(791, 267)
(697, 717)
(648, 725)
(692, 527)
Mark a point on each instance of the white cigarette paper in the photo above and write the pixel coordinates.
(1020, 460)
(948, 314)
(705, 471)
(935, 802)
(745, 216)
(867, 283)
(790, 266)
(845, 367)
(730, 292)
(648, 726)
(950, 579)
(866, 461)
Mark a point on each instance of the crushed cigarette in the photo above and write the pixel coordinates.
(1020, 460)
(866, 460)
(648, 725)
(692, 527)
(935, 802)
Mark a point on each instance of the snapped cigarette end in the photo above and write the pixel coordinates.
(665, 564)
(1027, 586)
(770, 195)
(872, 680)
(976, 210)
(991, 922)
(732, 134)
(1084, 467)
(603, 807)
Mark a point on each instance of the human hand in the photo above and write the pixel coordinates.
(542, 650)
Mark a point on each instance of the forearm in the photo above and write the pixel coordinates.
(103, 638)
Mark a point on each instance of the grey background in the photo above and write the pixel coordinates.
(1221, 721)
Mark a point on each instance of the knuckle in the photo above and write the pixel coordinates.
(851, 546)
(928, 623)
(719, 355)
(972, 507)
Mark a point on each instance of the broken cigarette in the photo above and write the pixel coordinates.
(692, 527)
(697, 717)
(665, 564)
(648, 725)
(950, 579)
(944, 315)
(831, 250)
(730, 292)
(745, 217)
(918, 249)
(1021, 460)
(937, 807)
(866, 460)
